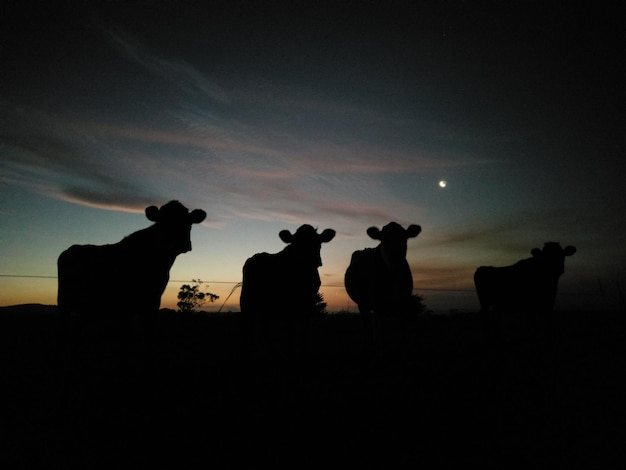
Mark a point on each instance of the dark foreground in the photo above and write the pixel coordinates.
(439, 396)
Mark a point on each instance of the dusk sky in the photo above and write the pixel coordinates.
(268, 115)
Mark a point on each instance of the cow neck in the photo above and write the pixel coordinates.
(291, 256)
(390, 268)
(144, 242)
(289, 253)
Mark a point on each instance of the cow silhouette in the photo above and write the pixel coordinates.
(120, 285)
(279, 292)
(379, 280)
(528, 286)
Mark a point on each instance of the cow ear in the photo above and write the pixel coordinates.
(152, 213)
(327, 235)
(569, 250)
(196, 216)
(374, 233)
(286, 236)
(413, 231)
(535, 251)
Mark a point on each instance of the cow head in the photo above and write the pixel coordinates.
(174, 222)
(306, 243)
(552, 257)
(393, 238)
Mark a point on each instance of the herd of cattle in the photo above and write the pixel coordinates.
(131, 276)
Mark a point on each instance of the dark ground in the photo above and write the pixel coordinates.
(438, 397)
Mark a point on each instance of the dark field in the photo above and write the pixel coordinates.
(438, 396)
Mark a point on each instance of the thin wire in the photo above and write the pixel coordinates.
(338, 286)
(24, 275)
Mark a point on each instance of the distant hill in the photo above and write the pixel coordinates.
(29, 309)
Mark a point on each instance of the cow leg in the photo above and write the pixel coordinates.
(143, 340)
(368, 325)
(374, 325)
(491, 324)
(543, 328)
(301, 337)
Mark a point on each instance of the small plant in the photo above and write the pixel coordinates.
(416, 305)
(411, 306)
(191, 299)
(320, 306)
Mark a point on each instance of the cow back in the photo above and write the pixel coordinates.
(112, 278)
(278, 283)
(525, 285)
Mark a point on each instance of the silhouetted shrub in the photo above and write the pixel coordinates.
(191, 299)
(416, 305)
(320, 306)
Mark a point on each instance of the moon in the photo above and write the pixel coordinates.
(443, 184)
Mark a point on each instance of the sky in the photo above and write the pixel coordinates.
(343, 115)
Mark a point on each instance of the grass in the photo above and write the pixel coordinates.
(438, 395)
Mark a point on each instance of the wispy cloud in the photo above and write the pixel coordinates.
(441, 274)
(354, 211)
(206, 147)
(62, 160)
(108, 165)
(497, 241)
(177, 72)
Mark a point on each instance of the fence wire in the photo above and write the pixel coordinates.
(600, 293)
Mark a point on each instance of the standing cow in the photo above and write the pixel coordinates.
(379, 280)
(118, 287)
(279, 291)
(529, 286)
